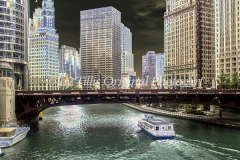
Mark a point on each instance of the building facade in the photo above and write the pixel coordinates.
(69, 62)
(128, 74)
(148, 68)
(159, 68)
(227, 37)
(43, 49)
(189, 42)
(100, 43)
(36, 21)
(14, 39)
(127, 58)
(79, 61)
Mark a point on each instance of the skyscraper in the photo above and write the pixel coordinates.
(127, 57)
(159, 67)
(227, 37)
(36, 22)
(189, 41)
(100, 43)
(14, 39)
(69, 61)
(43, 49)
(149, 67)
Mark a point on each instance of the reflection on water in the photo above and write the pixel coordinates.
(110, 132)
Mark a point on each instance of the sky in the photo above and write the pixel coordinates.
(143, 17)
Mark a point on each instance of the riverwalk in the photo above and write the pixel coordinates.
(201, 118)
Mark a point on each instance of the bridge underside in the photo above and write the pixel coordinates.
(29, 106)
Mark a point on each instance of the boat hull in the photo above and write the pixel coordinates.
(16, 139)
(156, 137)
(20, 137)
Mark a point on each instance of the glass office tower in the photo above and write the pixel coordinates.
(149, 67)
(100, 43)
(159, 67)
(69, 61)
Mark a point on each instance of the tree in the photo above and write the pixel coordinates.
(194, 107)
(174, 106)
(235, 83)
(224, 81)
(227, 83)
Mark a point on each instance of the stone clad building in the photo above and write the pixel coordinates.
(189, 42)
(43, 49)
(227, 36)
(7, 94)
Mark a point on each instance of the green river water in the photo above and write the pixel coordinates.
(110, 131)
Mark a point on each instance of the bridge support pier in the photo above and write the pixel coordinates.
(216, 109)
(212, 108)
(7, 100)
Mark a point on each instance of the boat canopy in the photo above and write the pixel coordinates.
(7, 132)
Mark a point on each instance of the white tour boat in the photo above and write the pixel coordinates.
(11, 133)
(156, 128)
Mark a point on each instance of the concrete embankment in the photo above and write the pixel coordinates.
(201, 118)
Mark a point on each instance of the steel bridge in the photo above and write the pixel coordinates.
(29, 104)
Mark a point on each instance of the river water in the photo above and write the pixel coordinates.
(110, 131)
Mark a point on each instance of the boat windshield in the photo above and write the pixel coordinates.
(7, 132)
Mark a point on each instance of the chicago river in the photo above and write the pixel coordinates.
(110, 131)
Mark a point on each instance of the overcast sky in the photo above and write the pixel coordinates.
(143, 17)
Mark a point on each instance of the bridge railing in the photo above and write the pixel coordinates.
(136, 91)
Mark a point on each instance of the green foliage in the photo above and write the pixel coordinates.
(227, 82)
(191, 108)
(155, 105)
(174, 106)
(224, 78)
(170, 106)
(235, 83)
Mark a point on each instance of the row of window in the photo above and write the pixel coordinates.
(20, 41)
(5, 73)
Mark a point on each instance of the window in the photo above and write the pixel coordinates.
(157, 128)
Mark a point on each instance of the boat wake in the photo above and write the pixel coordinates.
(177, 149)
(181, 149)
